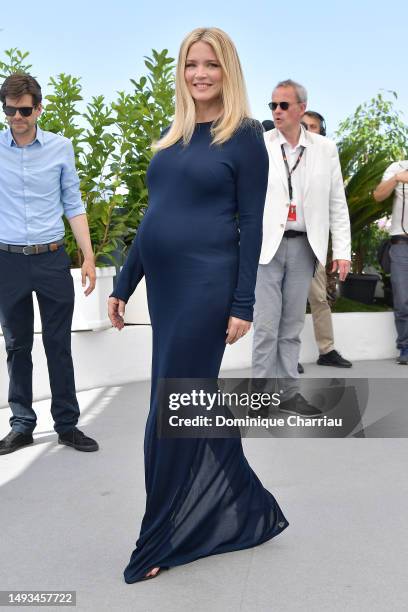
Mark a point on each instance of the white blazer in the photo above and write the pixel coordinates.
(325, 206)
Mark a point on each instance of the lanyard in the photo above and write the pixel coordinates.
(290, 172)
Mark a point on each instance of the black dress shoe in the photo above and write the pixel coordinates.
(78, 440)
(299, 405)
(333, 358)
(13, 441)
(300, 369)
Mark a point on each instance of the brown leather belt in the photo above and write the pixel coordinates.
(31, 249)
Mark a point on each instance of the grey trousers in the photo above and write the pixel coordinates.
(281, 292)
(399, 282)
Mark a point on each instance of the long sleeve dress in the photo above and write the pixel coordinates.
(198, 247)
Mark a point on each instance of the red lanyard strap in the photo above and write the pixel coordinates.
(290, 172)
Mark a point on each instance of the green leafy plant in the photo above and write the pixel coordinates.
(93, 145)
(14, 62)
(61, 113)
(378, 125)
(140, 117)
(365, 246)
(360, 180)
(369, 141)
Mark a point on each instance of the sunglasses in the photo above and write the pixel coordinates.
(274, 105)
(25, 111)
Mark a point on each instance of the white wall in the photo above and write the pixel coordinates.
(109, 357)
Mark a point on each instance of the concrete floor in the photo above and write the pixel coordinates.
(69, 519)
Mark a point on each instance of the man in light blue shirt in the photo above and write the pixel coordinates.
(38, 185)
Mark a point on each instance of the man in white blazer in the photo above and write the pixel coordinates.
(304, 201)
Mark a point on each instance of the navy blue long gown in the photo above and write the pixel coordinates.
(198, 246)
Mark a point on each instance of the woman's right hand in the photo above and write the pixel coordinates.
(116, 312)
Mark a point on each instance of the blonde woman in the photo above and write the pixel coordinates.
(198, 247)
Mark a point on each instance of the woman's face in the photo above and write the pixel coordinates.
(203, 73)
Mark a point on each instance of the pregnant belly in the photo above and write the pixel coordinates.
(168, 240)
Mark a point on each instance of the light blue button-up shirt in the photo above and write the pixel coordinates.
(38, 185)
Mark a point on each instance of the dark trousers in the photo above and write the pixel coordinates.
(49, 276)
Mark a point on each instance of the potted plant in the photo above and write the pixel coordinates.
(361, 283)
(360, 180)
(368, 142)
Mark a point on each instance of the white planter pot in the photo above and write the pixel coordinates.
(357, 335)
(136, 310)
(89, 312)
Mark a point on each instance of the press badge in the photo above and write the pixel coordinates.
(292, 212)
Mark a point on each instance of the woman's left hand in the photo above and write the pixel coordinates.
(237, 328)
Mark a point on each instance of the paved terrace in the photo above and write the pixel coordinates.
(70, 519)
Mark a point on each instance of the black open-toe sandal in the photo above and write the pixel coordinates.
(161, 569)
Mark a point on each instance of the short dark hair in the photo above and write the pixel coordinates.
(320, 119)
(19, 84)
(315, 115)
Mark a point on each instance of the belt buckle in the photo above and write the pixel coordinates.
(33, 249)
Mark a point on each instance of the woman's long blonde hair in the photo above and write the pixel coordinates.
(234, 95)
